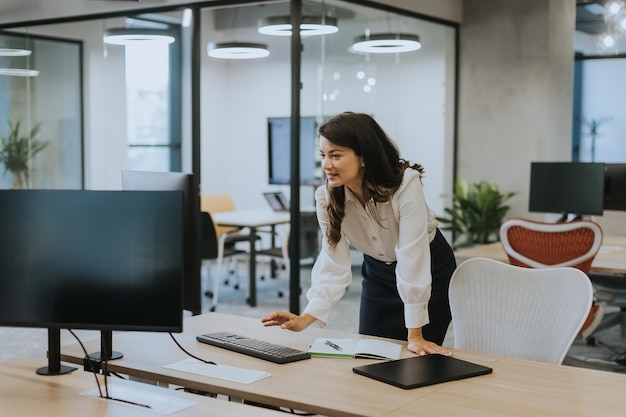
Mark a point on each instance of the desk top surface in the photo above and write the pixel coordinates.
(610, 258)
(25, 393)
(329, 387)
(251, 218)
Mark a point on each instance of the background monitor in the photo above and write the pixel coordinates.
(97, 260)
(188, 184)
(615, 186)
(279, 151)
(567, 187)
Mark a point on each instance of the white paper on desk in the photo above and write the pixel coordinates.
(230, 373)
(142, 396)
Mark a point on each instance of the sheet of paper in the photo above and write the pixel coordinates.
(142, 396)
(230, 373)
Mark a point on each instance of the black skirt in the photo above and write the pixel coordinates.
(382, 310)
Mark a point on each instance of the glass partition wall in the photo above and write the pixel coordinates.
(40, 140)
(178, 107)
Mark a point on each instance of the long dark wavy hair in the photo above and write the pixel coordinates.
(384, 169)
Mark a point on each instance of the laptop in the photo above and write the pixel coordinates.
(277, 200)
(420, 371)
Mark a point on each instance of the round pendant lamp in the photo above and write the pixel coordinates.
(237, 50)
(127, 36)
(387, 43)
(310, 26)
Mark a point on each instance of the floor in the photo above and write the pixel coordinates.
(32, 343)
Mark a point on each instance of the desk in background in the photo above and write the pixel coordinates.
(24, 393)
(329, 387)
(611, 257)
(255, 219)
(252, 219)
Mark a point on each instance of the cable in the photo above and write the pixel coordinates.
(105, 372)
(190, 354)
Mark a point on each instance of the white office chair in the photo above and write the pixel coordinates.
(519, 312)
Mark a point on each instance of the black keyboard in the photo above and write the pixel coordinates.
(253, 347)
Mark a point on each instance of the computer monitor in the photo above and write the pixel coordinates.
(567, 188)
(96, 260)
(188, 184)
(615, 186)
(279, 151)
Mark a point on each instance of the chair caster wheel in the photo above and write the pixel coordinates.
(280, 294)
(236, 286)
(208, 294)
(212, 309)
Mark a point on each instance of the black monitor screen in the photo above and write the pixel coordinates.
(188, 184)
(279, 150)
(100, 260)
(615, 187)
(566, 187)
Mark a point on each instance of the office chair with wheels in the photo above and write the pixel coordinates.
(534, 244)
(220, 203)
(214, 248)
(277, 257)
(613, 223)
(519, 312)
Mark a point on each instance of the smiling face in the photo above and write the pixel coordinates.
(341, 165)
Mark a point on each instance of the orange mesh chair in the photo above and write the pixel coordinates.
(533, 244)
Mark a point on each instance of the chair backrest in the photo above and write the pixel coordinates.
(216, 204)
(519, 312)
(543, 245)
(208, 237)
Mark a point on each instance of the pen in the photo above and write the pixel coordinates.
(333, 345)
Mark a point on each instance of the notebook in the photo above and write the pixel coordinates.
(277, 201)
(420, 371)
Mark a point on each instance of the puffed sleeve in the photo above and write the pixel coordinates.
(332, 271)
(413, 272)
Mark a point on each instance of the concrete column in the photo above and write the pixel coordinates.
(515, 90)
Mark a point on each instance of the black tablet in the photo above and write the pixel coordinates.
(420, 371)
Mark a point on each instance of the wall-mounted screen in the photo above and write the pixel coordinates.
(615, 187)
(279, 151)
(567, 187)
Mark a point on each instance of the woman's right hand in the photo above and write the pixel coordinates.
(287, 320)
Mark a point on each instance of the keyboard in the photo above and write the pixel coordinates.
(253, 347)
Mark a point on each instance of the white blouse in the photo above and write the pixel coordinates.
(406, 228)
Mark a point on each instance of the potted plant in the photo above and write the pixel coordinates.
(16, 151)
(476, 214)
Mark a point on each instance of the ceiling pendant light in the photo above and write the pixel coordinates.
(14, 52)
(19, 72)
(128, 36)
(387, 43)
(237, 50)
(310, 26)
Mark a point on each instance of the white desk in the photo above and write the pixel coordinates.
(252, 219)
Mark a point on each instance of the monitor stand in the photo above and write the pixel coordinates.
(106, 348)
(54, 355)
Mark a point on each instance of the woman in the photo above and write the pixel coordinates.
(374, 200)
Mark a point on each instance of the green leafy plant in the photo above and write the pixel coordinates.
(476, 214)
(16, 150)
